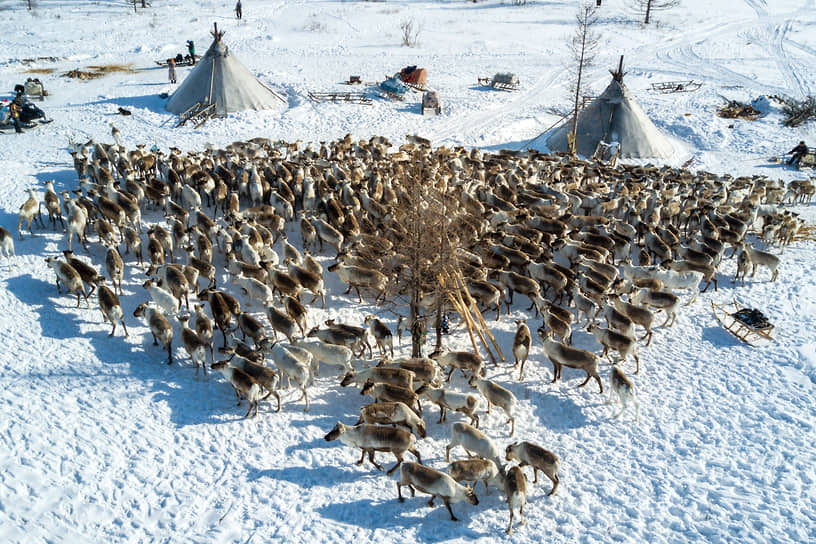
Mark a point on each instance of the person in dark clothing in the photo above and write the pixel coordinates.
(191, 51)
(19, 100)
(238, 9)
(14, 113)
(797, 153)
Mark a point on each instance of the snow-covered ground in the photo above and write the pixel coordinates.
(102, 441)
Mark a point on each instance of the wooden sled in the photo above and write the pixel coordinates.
(668, 87)
(388, 95)
(352, 97)
(807, 161)
(501, 82)
(747, 324)
(187, 60)
(198, 113)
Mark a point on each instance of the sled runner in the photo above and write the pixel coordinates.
(748, 324)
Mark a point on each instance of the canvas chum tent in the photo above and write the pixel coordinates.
(614, 117)
(219, 78)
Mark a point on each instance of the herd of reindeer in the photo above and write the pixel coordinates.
(564, 232)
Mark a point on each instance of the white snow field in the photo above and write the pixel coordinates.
(102, 441)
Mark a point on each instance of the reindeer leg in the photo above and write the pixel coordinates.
(447, 505)
(373, 462)
(555, 482)
(272, 392)
(556, 368)
(395, 467)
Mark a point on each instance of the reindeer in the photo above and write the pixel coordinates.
(561, 355)
(69, 277)
(159, 326)
(537, 457)
(242, 383)
(7, 246)
(373, 438)
(515, 489)
(434, 483)
(521, 346)
(29, 211)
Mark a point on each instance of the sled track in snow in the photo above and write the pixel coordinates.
(685, 57)
(478, 121)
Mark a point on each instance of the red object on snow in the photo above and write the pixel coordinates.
(414, 75)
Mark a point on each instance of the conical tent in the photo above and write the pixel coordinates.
(219, 78)
(614, 117)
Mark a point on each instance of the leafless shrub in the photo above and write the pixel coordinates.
(410, 32)
(798, 112)
(583, 45)
(646, 7)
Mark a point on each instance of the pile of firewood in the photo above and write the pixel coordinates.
(798, 111)
(734, 109)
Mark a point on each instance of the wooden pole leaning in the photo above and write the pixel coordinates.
(478, 313)
(460, 308)
(466, 315)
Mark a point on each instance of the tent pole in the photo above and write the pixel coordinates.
(525, 144)
(617, 76)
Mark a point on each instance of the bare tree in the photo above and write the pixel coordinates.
(144, 3)
(583, 45)
(410, 32)
(646, 7)
(431, 217)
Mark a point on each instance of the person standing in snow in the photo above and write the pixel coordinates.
(171, 71)
(14, 113)
(19, 99)
(238, 9)
(191, 51)
(797, 153)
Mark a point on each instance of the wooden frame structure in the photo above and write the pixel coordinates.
(731, 315)
(669, 87)
(199, 113)
(342, 96)
(493, 83)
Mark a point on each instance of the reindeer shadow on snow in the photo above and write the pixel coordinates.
(190, 401)
(559, 398)
(430, 524)
(309, 477)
